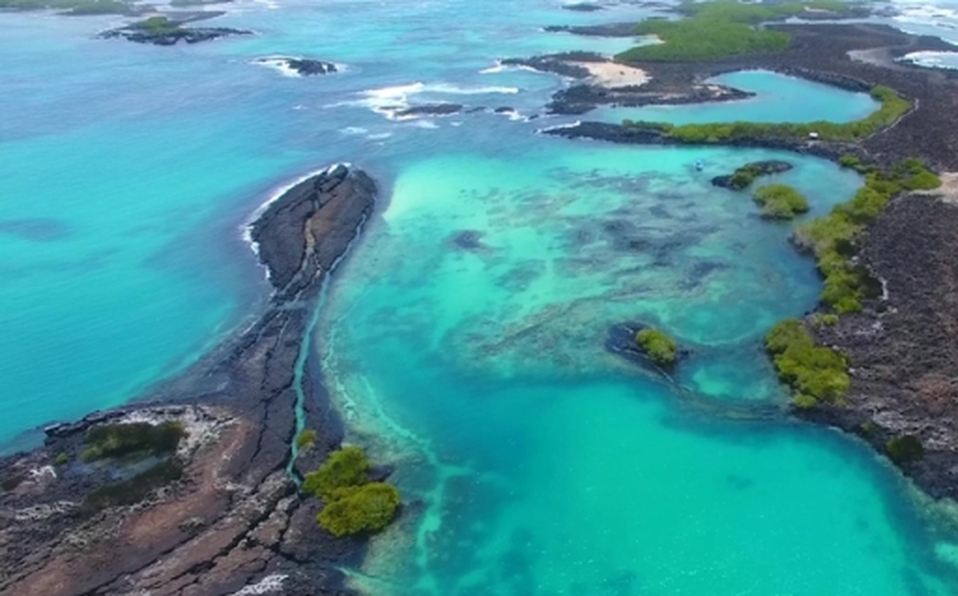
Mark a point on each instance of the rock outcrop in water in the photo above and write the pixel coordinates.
(165, 31)
(233, 519)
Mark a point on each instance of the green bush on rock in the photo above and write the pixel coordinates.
(659, 347)
(134, 439)
(832, 237)
(779, 201)
(814, 373)
(305, 439)
(353, 504)
(355, 509)
(905, 449)
(344, 468)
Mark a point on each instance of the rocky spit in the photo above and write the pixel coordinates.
(234, 520)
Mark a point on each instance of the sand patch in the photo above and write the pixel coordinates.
(948, 191)
(613, 74)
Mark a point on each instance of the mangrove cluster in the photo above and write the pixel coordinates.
(779, 201)
(743, 177)
(892, 107)
(353, 503)
(713, 30)
(658, 347)
(832, 238)
(813, 373)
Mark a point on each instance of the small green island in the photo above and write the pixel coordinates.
(658, 347)
(780, 201)
(353, 504)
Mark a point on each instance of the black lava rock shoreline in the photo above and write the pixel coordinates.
(233, 520)
(904, 347)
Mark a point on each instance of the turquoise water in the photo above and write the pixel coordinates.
(531, 460)
(779, 98)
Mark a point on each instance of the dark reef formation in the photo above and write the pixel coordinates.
(165, 31)
(434, 109)
(305, 67)
(230, 517)
(744, 175)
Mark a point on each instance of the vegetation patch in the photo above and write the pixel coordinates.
(133, 490)
(779, 201)
(713, 30)
(659, 347)
(893, 107)
(904, 449)
(742, 177)
(357, 509)
(814, 373)
(157, 26)
(306, 439)
(136, 440)
(71, 7)
(353, 504)
(832, 238)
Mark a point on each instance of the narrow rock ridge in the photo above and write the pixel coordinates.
(234, 519)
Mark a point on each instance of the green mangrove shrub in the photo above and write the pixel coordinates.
(892, 107)
(779, 201)
(814, 373)
(713, 30)
(344, 468)
(659, 347)
(356, 509)
(832, 238)
(904, 449)
(305, 439)
(134, 439)
(352, 504)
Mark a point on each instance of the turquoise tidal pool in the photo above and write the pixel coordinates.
(463, 338)
(778, 98)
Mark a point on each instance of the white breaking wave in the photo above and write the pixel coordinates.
(947, 60)
(279, 63)
(388, 101)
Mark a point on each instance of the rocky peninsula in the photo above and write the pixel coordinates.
(215, 511)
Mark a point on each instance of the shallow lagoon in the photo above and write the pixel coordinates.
(779, 98)
(536, 462)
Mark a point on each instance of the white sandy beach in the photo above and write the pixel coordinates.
(613, 74)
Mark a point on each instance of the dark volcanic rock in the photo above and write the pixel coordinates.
(234, 518)
(626, 29)
(583, 7)
(170, 32)
(435, 109)
(757, 168)
(904, 350)
(308, 67)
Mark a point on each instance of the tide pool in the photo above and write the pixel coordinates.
(779, 98)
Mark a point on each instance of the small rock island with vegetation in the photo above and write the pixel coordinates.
(658, 347)
(780, 201)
